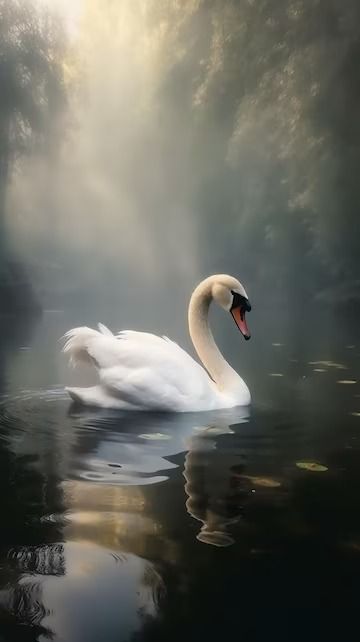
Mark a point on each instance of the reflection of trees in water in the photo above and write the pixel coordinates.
(29, 548)
(152, 523)
(22, 612)
(41, 560)
(289, 544)
(22, 609)
(26, 499)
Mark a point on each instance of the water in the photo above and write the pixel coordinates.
(236, 524)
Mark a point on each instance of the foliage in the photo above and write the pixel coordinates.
(32, 88)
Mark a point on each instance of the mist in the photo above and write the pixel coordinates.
(173, 140)
(144, 145)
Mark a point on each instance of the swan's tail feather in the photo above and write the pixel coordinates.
(85, 345)
(75, 394)
(104, 330)
(76, 345)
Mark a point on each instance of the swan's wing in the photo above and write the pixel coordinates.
(155, 372)
(90, 346)
(141, 368)
(136, 348)
(145, 388)
(162, 346)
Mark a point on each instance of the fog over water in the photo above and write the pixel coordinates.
(155, 142)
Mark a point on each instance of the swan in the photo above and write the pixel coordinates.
(142, 371)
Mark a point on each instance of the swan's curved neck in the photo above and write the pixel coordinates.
(218, 368)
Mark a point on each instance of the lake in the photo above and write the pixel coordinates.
(241, 524)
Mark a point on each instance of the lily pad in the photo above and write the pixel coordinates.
(311, 465)
(328, 364)
(266, 482)
(154, 436)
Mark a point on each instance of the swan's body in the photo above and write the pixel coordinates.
(141, 371)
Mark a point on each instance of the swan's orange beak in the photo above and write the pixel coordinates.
(238, 315)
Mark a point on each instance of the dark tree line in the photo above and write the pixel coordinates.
(32, 98)
(270, 93)
(251, 131)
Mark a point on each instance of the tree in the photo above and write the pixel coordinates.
(32, 99)
(274, 130)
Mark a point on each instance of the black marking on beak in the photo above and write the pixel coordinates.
(240, 306)
(240, 301)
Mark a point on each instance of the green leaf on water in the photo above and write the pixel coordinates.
(267, 482)
(154, 436)
(328, 364)
(311, 465)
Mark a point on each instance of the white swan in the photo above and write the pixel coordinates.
(141, 371)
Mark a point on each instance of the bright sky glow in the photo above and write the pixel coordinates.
(70, 9)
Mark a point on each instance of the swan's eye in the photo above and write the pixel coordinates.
(240, 301)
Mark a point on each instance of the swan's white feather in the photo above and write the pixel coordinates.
(90, 346)
(139, 369)
(98, 396)
(104, 330)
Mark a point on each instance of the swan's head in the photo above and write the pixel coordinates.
(230, 294)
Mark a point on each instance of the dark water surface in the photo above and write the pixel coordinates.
(130, 527)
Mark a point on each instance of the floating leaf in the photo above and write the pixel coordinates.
(154, 436)
(275, 374)
(350, 347)
(267, 482)
(319, 370)
(277, 345)
(328, 364)
(347, 382)
(355, 414)
(311, 465)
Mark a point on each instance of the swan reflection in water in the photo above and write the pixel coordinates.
(213, 490)
(138, 449)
